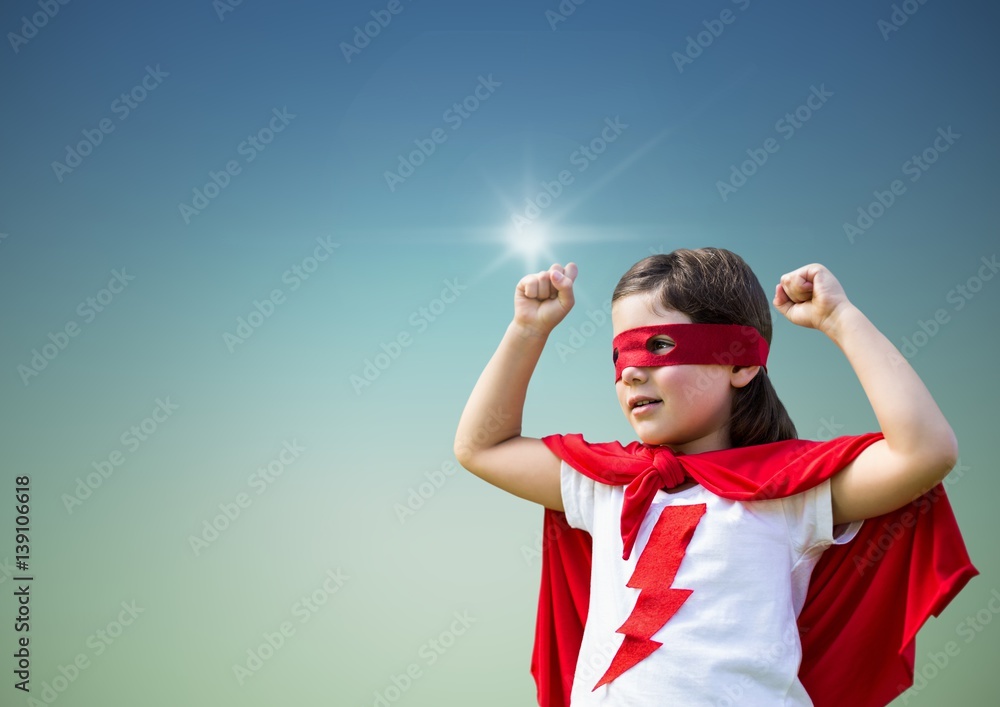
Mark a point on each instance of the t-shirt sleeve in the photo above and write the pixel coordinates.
(578, 497)
(810, 521)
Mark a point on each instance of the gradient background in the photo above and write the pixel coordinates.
(470, 547)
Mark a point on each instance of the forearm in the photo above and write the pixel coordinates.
(910, 420)
(495, 408)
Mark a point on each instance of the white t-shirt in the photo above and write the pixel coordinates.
(735, 638)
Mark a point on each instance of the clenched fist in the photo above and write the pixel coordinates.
(543, 299)
(811, 296)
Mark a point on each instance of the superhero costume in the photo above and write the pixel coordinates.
(867, 599)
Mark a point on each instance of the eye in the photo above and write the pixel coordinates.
(660, 345)
(614, 356)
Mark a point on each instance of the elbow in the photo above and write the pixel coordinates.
(468, 460)
(950, 460)
(929, 464)
(468, 451)
(945, 455)
(463, 454)
(949, 449)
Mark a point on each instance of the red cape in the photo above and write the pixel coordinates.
(866, 601)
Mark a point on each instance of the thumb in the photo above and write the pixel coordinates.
(564, 280)
(564, 286)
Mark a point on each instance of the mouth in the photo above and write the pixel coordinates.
(643, 405)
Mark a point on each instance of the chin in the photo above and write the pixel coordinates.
(661, 439)
(654, 440)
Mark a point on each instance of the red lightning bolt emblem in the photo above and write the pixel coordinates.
(653, 575)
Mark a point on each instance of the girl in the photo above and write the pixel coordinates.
(702, 558)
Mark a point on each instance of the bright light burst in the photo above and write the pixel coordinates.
(533, 226)
(531, 242)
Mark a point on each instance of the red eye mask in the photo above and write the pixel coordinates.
(723, 344)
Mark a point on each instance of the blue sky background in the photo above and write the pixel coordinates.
(366, 449)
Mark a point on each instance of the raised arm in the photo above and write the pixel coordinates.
(919, 448)
(488, 440)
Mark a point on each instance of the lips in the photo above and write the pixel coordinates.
(637, 402)
(640, 411)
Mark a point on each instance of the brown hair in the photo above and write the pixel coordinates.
(716, 286)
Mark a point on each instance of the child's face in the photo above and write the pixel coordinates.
(695, 400)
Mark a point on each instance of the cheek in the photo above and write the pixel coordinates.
(692, 383)
(676, 379)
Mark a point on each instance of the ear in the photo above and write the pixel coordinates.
(739, 376)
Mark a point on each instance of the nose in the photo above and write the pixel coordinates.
(632, 373)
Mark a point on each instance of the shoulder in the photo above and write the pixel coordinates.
(585, 498)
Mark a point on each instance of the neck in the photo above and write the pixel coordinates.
(710, 443)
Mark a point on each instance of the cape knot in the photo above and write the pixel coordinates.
(668, 467)
(664, 471)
